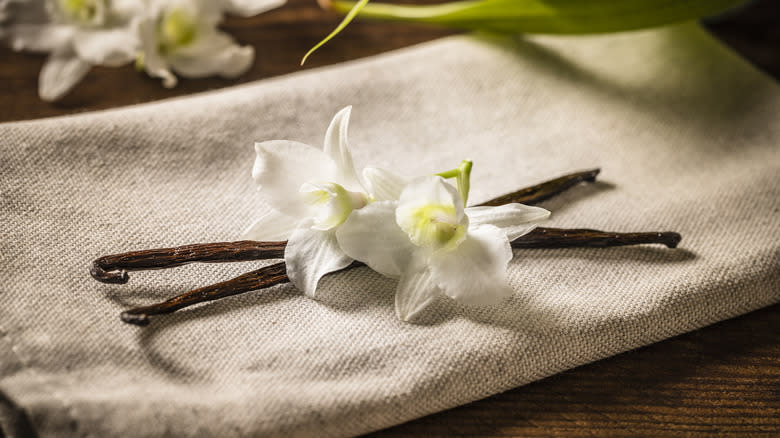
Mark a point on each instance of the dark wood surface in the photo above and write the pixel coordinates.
(720, 380)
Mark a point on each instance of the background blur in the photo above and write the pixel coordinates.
(282, 36)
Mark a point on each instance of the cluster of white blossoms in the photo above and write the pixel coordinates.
(416, 230)
(163, 37)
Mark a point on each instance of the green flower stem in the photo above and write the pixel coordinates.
(351, 12)
(462, 175)
(545, 16)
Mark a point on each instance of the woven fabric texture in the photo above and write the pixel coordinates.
(686, 134)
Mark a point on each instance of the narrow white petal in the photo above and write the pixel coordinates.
(514, 219)
(416, 290)
(248, 8)
(310, 254)
(113, 47)
(271, 226)
(475, 272)
(371, 236)
(39, 37)
(282, 167)
(61, 72)
(337, 148)
(384, 185)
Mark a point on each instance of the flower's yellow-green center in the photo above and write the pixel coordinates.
(84, 11)
(332, 202)
(177, 28)
(433, 226)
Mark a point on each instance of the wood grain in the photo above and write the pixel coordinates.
(721, 380)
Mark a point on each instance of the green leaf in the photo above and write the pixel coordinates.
(546, 16)
(352, 11)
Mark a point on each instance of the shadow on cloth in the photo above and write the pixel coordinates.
(506, 315)
(160, 323)
(688, 92)
(14, 421)
(368, 289)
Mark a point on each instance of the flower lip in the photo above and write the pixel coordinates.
(430, 212)
(433, 226)
(331, 203)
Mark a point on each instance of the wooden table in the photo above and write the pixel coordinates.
(723, 379)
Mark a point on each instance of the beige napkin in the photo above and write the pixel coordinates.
(686, 134)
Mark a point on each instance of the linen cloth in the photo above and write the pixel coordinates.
(686, 134)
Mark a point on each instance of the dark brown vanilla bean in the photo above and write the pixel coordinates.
(583, 237)
(544, 191)
(113, 268)
(277, 273)
(262, 278)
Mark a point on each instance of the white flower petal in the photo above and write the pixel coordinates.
(310, 254)
(282, 167)
(416, 290)
(213, 53)
(337, 148)
(153, 63)
(61, 72)
(371, 236)
(514, 219)
(39, 37)
(112, 47)
(475, 272)
(384, 185)
(248, 8)
(271, 226)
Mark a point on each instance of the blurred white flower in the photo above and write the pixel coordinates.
(181, 36)
(77, 34)
(433, 245)
(312, 192)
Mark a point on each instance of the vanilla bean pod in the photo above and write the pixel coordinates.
(542, 237)
(114, 268)
(259, 279)
(544, 191)
(277, 273)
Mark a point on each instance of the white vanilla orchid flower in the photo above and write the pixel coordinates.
(77, 33)
(433, 245)
(312, 192)
(182, 36)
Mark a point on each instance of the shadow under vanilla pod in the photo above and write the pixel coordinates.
(114, 268)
